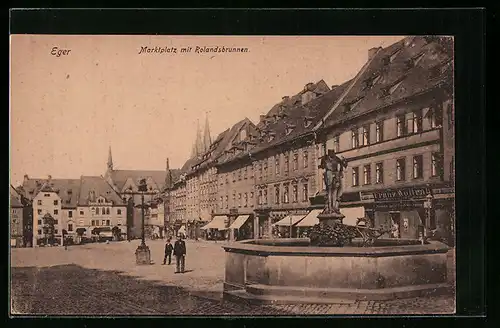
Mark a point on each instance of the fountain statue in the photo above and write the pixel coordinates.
(334, 167)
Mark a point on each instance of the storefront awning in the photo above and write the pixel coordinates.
(240, 220)
(311, 219)
(352, 214)
(218, 222)
(289, 220)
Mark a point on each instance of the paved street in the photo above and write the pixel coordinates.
(102, 279)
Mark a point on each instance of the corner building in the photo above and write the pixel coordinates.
(396, 129)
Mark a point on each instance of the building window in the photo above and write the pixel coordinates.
(119, 212)
(277, 165)
(39, 222)
(120, 222)
(336, 144)
(70, 214)
(379, 173)
(93, 223)
(107, 211)
(245, 172)
(260, 198)
(39, 231)
(287, 163)
(221, 202)
(417, 122)
(400, 169)
(417, 166)
(56, 221)
(451, 116)
(70, 226)
(367, 174)
(436, 164)
(56, 202)
(56, 231)
(108, 223)
(97, 211)
(227, 201)
(366, 135)
(355, 176)
(81, 213)
(435, 116)
(354, 138)
(400, 125)
(234, 176)
(305, 159)
(56, 212)
(39, 202)
(39, 211)
(285, 194)
(239, 174)
(305, 192)
(379, 131)
(295, 161)
(246, 199)
(277, 194)
(265, 168)
(265, 196)
(103, 222)
(239, 200)
(295, 193)
(260, 171)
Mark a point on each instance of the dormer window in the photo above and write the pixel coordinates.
(271, 137)
(352, 105)
(289, 128)
(307, 121)
(394, 87)
(371, 81)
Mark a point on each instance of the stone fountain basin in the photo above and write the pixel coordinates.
(290, 271)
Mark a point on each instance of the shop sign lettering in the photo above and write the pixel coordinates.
(401, 205)
(406, 193)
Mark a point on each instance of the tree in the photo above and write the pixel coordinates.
(48, 228)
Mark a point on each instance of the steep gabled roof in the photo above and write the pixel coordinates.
(66, 189)
(409, 73)
(119, 177)
(15, 198)
(100, 187)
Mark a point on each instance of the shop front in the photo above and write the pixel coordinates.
(411, 213)
(217, 229)
(241, 227)
(286, 227)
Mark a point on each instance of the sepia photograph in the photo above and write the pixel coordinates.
(187, 175)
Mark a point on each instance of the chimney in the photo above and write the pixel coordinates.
(168, 166)
(372, 52)
(335, 86)
(285, 98)
(309, 86)
(26, 178)
(262, 117)
(49, 177)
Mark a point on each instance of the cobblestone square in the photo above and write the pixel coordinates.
(102, 279)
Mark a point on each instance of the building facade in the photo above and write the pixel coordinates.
(17, 213)
(395, 128)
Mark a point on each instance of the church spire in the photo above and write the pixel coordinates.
(110, 160)
(199, 142)
(168, 176)
(207, 140)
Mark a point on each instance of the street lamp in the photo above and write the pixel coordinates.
(428, 213)
(142, 253)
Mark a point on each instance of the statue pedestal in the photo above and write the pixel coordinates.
(143, 255)
(330, 219)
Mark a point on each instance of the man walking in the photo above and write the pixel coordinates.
(180, 254)
(168, 252)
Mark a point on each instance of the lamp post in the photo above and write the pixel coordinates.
(428, 211)
(142, 253)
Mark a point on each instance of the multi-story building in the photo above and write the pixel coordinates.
(280, 163)
(16, 218)
(234, 200)
(395, 128)
(99, 206)
(74, 208)
(126, 184)
(54, 206)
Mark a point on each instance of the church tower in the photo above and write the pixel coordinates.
(207, 140)
(110, 160)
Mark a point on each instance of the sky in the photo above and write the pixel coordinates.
(66, 111)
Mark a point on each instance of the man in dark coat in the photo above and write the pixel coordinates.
(180, 254)
(168, 252)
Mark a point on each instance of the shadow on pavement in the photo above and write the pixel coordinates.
(74, 290)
